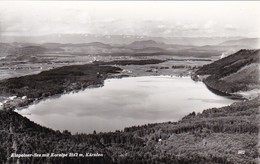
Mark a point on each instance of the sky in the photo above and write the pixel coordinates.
(151, 18)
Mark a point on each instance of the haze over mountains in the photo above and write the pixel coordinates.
(124, 45)
(114, 39)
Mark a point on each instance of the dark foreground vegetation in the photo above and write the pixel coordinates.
(214, 136)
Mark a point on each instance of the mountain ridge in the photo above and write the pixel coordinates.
(249, 42)
(115, 39)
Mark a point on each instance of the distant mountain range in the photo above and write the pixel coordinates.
(114, 39)
(249, 42)
(146, 44)
(138, 47)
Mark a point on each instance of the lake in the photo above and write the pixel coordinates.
(125, 102)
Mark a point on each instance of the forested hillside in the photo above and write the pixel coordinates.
(237, 72)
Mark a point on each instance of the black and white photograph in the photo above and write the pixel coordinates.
(138, 82)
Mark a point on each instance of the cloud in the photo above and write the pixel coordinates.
(209, 28)
(230, 27)
(128, 18)
(209, 24)
(191, 27)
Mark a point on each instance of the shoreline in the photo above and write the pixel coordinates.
(23, 110)
(95, 79)
(225, 94)
(38, 100)
(71, 78)
(32, 101)
(234, 96)
(25, 103)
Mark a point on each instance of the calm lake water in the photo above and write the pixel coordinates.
(123, 103)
